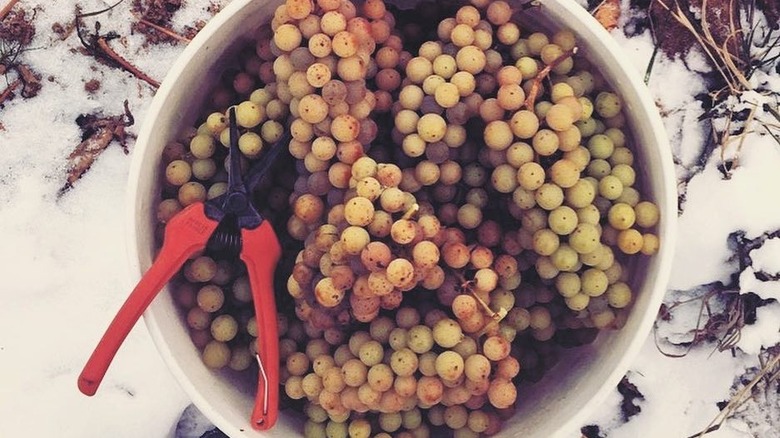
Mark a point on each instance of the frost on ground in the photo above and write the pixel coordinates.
(64, 261)
(63, 257)
(724, 286)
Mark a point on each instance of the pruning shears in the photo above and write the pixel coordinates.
(213, 224)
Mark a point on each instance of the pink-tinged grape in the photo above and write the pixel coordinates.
(376, 256)
(502, 393)
(496, 348)
(429, 390)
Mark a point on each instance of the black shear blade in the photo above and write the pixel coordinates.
(259, 169)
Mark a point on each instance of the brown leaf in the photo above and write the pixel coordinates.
(99, 133)
(608, 13)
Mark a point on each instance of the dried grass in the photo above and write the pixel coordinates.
(736, 59)
(766, 376)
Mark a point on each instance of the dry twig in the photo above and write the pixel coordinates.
(97, 45)
(163, 30)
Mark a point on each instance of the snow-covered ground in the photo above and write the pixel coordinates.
(65, 275)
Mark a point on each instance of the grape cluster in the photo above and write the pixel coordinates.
(404, 370)
(459, 202)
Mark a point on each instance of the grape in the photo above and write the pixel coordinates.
(619, 295)
(224, 328)
(400, 272)
(327, 293)
(650, 244)
(404, 362)
(390, 422)
(594, 282)
(333, 380)
(502, 393)
(455, 417)
(621, 216)
(447, 333)
(359, 428)
(469, 216)
(549, 196)
(210, 298)
(564, 173)
(610, 187)
(429, 390)
(562, 220)
(477, 367)
(496, 348)
(420, 339)
(407, 317)
(178, 172)
(607, 104)
(584, 238)
(380, 377)
(425, 254)
(380, 329)
(354, 372)
(359, 211)
(191, 192)
(371, 353)
(630, 241)
(530, 176)
(600, 146)
(216, 354)
(646, 214)
(354, 239)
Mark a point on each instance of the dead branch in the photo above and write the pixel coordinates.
(107, 51)
(97, 45)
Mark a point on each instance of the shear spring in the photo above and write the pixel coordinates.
(225, 242)
(265, 388)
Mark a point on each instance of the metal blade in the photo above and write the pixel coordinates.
(259, 170)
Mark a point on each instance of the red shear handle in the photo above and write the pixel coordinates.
(186, 233)
(260, 253)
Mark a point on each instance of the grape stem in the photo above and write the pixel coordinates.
(537, 83)
(495, 317)
(411, 212)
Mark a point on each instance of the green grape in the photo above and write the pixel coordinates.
(585, 238)
(404, 362)
(594, 282)
(562, 220)
(447, 333)
(608, 104)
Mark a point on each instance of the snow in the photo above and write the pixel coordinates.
(65, 275)
(679, 394)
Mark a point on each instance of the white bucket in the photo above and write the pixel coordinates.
(582, 378)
